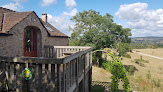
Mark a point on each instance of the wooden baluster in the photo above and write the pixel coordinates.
(7, 76)
(49, 53)
(76, 74)
(52, 77)
(43, 77)
(84, 63)
(52, 52)
(33, 80)
(2, 75)
(12, 76)
(26, 87)
(36, 77)
(58, 52)
(64, 78)
(49, 77)
(58, 78)
(67, 80)
(22, 67)
(40, 84)
(17, 78)
(70, 73)
(46, 78)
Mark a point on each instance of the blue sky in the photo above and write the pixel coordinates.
(144, 17)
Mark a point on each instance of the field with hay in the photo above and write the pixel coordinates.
(144, 72)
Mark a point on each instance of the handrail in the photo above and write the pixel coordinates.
(38, 60)
(76, 47)
(45, 60)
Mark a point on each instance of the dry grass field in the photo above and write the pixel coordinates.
(148, 78)
(155, 52)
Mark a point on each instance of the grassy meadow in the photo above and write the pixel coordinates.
(147, 77)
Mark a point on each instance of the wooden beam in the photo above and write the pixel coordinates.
(39, 60)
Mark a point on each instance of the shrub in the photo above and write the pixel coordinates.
(107, 65)
(156, 83)
(131, 70)
(148, 74)
(138, 61)
(118, 72)
(141, 61)
(128, 56)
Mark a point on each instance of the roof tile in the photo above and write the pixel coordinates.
(56, 32)
(11, 19)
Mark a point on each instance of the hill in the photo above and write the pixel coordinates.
(147, 40)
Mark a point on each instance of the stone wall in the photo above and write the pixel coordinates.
(13, 45)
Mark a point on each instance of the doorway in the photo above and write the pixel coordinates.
(30, 42)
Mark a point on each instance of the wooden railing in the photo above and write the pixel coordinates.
(54, 72)
(57, 51)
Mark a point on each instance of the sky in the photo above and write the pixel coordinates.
(143, 17)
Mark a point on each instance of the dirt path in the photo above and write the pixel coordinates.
(149, 55)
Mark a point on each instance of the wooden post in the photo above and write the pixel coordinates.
(46, 78)
(49, 53)
(7, 76)
(58, 78)
(12, 76)
(70, 73)
(52, 77)
(64, 78)
(84, 63)
(76, 74)
(40, 77)
(33, 80)
(52, 53)
(2, 75)
(17, 78)
(26, 87)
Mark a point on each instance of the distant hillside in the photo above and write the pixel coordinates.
(147, 40)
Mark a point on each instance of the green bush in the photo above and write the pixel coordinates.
(107, 65)
(131, 70)
(122, 48)
(128, 56)
(138, 61)
(118, 72)
(141, 61)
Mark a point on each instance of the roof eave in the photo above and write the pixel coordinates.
(58, 36)
(5, 34)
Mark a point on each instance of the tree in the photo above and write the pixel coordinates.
(93, 29)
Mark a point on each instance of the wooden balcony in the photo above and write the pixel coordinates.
(62, 69)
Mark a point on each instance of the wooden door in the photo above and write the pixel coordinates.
(30, 42)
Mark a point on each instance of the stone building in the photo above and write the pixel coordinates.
(25, 34)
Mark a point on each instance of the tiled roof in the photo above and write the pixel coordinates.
(11, 19)
(55, 31)
(1, 17)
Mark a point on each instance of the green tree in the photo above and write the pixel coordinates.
(93, 29)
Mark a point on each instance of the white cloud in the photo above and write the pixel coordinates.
(61, 22)
(131, 11)
(72, 13)
(48, 2)
(70, 3)
(13, 6)
(142, 21)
